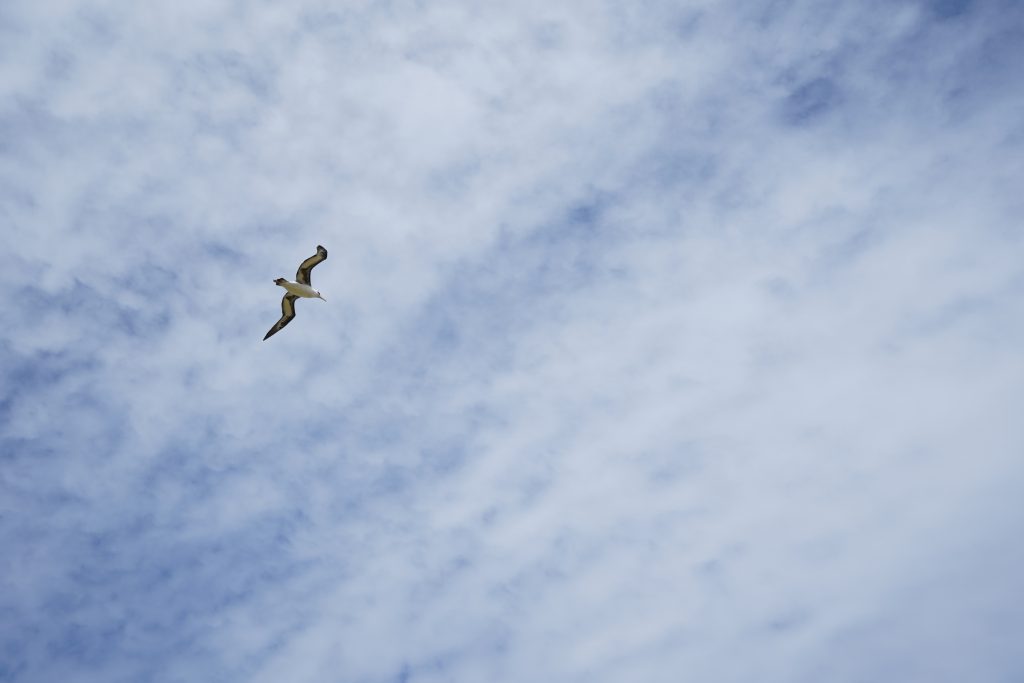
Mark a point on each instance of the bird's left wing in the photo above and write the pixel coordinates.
(302, 276)
(287, 313)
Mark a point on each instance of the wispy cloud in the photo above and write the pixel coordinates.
(673, 341)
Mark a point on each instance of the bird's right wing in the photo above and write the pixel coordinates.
(287, 313)
(306, 267)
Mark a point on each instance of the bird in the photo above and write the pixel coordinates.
(302, 287)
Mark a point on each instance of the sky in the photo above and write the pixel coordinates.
(663, 341)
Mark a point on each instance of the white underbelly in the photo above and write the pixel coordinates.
(300, 290)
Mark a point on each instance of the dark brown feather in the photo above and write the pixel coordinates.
(287, 313)
(302, 276)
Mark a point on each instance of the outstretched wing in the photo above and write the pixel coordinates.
(302, 276)
(287, 313)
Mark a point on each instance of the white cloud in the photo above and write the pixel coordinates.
(661, 342)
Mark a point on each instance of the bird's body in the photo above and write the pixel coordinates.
(298, 289)
(302, 287)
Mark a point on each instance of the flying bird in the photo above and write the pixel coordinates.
(302, 287)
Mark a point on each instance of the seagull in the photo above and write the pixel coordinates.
(301, 287)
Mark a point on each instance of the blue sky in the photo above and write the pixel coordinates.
(667, 341)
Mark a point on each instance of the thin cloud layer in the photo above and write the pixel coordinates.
(668, 342)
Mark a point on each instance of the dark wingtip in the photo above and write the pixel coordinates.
(320, 247)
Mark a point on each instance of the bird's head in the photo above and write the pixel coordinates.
(280, 281)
